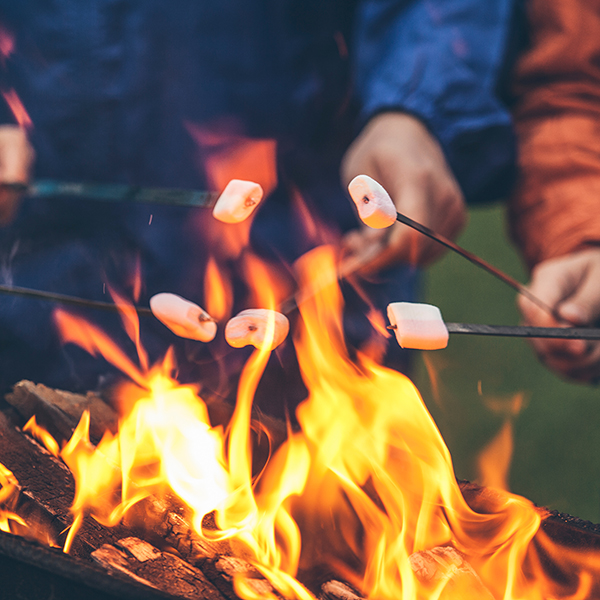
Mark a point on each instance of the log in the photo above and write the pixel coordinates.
(446, 567)
(337, 590)
(160, 570)
(223, 570)
(48, 483)
(59, 411)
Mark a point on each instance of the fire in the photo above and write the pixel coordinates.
(217, 291)
(8, 491)
(365, 489)
(16, 106)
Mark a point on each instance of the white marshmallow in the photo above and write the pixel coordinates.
(375, 207)
(237, 201)
(418, 326)
(250, 327)
(183, 318)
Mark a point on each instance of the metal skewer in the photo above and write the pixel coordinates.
(65, 299)
(473, 258)
(114, 192)
(570, 333)
(522, 331)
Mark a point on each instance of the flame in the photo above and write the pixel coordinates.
(7, 43)
(9, 489)
(40, 434)
(16, 106)
(217, 291)
(365, 484)
(493, 463)
(78, 331)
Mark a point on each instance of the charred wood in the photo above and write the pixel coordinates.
(59, 411)
(46, 482)
(447, 571)
(163, 571)
(337, 590)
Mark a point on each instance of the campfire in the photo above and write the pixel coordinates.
(176, 493)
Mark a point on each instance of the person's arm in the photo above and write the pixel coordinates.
(434, 130)
(555, 211)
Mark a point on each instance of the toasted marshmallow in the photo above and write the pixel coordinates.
(183, 318)
(375, 207)
(418, 326)
(250, 327)
(237, 201)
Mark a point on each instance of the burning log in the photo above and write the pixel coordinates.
(163, 571)
(59, 412)
(446, 570)
(228, 571)
(47, 483)
(336, 590)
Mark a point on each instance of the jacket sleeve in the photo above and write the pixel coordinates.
(442, 60)
(556, 206)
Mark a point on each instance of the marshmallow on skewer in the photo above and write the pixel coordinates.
(375, 207)
(250, 327)
(418, 326)
(237, 201)
(183, 318)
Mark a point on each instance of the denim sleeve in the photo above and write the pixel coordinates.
(442, 61)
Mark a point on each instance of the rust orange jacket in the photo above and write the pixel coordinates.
(556, 207)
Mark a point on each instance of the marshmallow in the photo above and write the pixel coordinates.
(418, 326)
(183, 318)
(237, 201)
(250, 327)
(375, 207)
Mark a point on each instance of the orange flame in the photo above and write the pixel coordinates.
(40, 434)
(9, 488)
(217, 291)
(78, 331)
(16, 106)
(7, 43)
(365, 484)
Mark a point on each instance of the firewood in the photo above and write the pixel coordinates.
(164, 522)
(46, 481)
(337, 590)
(59, 411)
(222, 571)
(445, 566)
(160, 570)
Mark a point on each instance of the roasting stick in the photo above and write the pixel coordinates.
(65, 299)
(522, 331)
(473, 258)
(376, 209)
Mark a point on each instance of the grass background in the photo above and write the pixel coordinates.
(556, 455)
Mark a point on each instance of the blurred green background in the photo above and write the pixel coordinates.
(556, 454)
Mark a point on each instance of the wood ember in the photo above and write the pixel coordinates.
(59, 411)
(161, 570)
(337, 590)
(47, 482)
(223, 570)
(445, 566)
(162, 521)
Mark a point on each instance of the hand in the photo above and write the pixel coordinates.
(398, 151)
(571, 286)
(16, 159)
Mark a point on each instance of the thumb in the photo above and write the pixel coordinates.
(583, 306)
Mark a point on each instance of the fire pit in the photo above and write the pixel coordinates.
(360, 502)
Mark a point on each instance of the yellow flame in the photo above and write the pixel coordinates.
(364, 484)
(40, 434)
